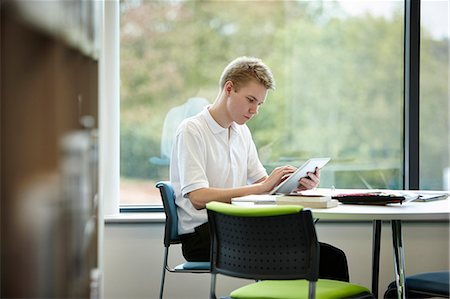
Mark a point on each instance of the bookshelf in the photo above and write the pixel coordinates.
(49, 178)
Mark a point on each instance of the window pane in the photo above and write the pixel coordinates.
(338, 68)
(434, 96)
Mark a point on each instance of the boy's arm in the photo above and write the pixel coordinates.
(202, 196)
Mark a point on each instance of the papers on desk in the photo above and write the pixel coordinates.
(422, 196)
(425, 197)
(327, 198)
(388, 197)
(309, 199)
(256, 199)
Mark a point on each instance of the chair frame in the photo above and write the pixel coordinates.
(171, 236)
(304, 222)
(264, 243)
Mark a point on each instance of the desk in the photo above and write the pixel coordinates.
(419, 211)
(395, 213)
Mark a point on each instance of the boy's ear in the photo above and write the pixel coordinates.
(228, 87)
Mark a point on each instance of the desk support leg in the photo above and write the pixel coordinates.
(376, 256)
(399, 258)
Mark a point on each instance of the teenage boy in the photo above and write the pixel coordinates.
(214, 158)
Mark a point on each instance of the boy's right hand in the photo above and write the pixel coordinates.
(277, 176)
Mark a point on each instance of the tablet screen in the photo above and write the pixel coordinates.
(291, 183)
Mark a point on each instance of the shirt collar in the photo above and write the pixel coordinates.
(213, 125)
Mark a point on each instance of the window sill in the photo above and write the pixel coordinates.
(153, 217)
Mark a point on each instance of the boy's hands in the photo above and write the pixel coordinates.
(279, 174)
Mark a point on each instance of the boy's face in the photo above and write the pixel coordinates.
(244, 103)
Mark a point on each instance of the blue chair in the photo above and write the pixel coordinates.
(423, 285)
(171, 237)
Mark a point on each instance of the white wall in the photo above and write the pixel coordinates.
(133, 258)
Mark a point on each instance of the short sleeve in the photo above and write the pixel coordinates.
(191, 159)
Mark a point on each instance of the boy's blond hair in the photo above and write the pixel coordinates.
(244, 69)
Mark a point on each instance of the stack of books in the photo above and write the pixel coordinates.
(313, 201)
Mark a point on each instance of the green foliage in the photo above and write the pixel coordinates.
(135, 149)
(434, 122)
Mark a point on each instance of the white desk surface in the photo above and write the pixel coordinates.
(433, 210)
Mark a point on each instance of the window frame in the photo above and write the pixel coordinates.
(411, 99)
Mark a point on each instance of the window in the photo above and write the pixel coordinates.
(434, 123)
(338, 66)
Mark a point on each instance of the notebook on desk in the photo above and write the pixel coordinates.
(308, 201)
(369, 198)
(255, 199)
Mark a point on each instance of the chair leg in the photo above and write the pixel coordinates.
(312, 290)
(163, 276)
(212, 291)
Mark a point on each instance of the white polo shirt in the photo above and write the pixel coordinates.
(206, 155)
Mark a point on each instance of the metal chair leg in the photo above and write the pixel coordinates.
(312, 290)
(399, 258)
(376, 242)
(212, 292)
(163, 276)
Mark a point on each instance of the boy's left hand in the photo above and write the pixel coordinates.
(309, 182)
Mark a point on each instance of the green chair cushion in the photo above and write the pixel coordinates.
(235, 210)
(295, 289)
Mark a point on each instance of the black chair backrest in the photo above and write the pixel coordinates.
(170, 209)
(269, 247)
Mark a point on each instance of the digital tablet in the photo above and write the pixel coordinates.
(291, 183)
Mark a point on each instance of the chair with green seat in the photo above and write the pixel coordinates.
(171, 236)
(277, 246)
